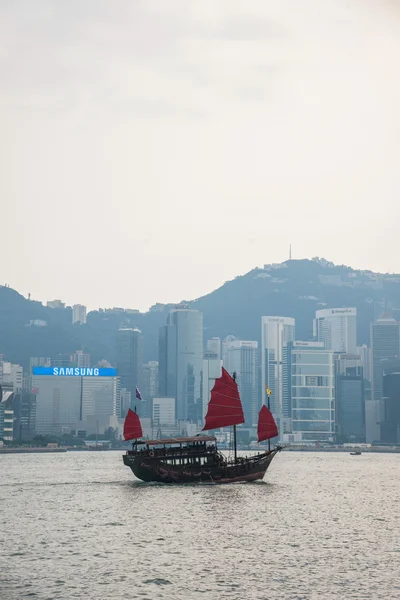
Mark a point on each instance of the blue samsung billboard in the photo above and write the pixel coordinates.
(74, 371)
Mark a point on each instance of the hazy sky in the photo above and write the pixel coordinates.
(152, 149)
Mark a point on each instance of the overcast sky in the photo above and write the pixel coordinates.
(152, 149)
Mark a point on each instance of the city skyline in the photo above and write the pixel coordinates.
(319, 390)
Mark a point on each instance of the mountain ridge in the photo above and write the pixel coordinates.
(293, 288)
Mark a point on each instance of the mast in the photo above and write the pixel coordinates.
(234, 427)
(269, 408)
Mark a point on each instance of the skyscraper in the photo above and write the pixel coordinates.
(349, 396)
(58, 403)
(390, 425)
(130, 361)
(24, 407)
(181, 362)
(81, 359)
(337, 328)
(214, 345)
(212, 365)
(313, 392)
(365, 354)
(241, 357)
(385, 344)
(277, 335)
(167, 357)
(100, 397)
(150, 386)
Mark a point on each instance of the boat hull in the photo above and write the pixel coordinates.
(245, 470)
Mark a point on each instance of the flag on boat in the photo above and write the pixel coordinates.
(138, 394)
(268, 390)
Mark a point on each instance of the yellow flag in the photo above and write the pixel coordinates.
(269, 392)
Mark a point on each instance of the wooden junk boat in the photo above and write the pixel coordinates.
(197, 459)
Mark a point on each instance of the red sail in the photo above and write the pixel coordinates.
(132, 426)
(225, 407)
(267, 428)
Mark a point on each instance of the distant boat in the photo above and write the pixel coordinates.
(197, 459)
(356, 453)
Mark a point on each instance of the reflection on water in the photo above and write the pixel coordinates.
(319, 526)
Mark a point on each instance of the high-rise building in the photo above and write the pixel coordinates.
(36, 361)
(366, 360)
(313, 392)
(11, 375)
(163, 411)
(64, 397)
(350, 398)
(11, 381)
(212, 366)
(277, 335)
(181, 362)
(6, 415)
(337, 329)
(385, 344)
(79, 314)
(167, 357)
(373, 419)
(58, 403)
(100, 397)
(241, 357)
(130, 361)
(24, 407)
(80, 359)
(126, 402)
(150, 386)
(390, 426)
(39, 361)
(214, 346)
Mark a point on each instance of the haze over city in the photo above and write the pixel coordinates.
(152, 152)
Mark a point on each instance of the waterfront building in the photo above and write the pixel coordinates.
(150, 388)
(181, 362)
(313, 392)
(67, 395)
(390, 426)
(241, 357)
(277, 336)
(350, 398)
(385, 345)
(130, 361)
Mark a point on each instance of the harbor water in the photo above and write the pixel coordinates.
(79, 526)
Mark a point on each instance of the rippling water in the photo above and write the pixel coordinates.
(77, 525)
